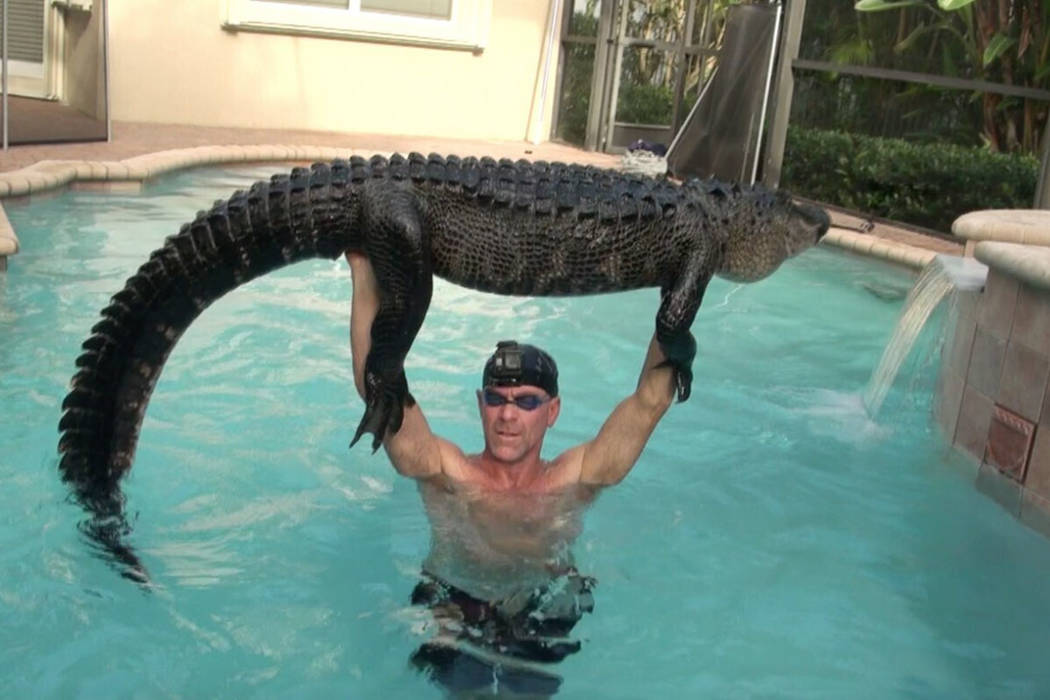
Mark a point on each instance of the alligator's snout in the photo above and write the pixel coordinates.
(807, 224)
(816, 217)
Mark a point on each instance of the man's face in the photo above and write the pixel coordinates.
(512, 432)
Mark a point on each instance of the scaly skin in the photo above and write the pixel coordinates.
(504, 227)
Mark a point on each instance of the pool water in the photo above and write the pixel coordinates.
(772, 541)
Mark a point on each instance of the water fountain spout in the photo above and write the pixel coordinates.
(942, 276)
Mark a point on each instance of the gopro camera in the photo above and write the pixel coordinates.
(506, 361)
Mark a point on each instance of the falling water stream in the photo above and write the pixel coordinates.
(943, 275)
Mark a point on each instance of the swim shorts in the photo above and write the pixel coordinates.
(531, 626)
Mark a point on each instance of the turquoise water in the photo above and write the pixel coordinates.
(771, 542)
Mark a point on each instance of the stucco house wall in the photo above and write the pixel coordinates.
(173, 62)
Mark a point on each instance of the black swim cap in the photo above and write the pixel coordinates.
(513, 365)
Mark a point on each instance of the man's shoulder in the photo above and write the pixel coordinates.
(455, 463)
(566, 468)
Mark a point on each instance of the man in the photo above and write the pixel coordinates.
(500, 577)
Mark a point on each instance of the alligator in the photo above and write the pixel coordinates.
(508, 227)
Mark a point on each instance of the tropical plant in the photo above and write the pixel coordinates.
(1003, 41)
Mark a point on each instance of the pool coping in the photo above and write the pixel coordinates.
(53, 174)
(1030, 226)
(881, 248)
(1013, 241)
(1028, 263)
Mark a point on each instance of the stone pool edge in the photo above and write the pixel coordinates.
(52, 174)
(993, 396)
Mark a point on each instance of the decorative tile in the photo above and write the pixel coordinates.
(1032, 317)
(975, 415)
(1001, 489)
(1009, 442)
(986, 362)
(995, 313)
(1023, 380)
(1037, 478)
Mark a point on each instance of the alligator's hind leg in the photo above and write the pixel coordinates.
(678, 306)
(399, 251)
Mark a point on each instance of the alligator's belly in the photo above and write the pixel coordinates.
(555, 257)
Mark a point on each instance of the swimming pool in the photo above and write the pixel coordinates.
(772, 540)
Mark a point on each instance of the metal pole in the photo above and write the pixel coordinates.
(907, 76)
(790, 40)
(105, 68)
(548, 55)
(1042, 190)
(609, 125)
(682, 65)
(596, 102)
(765, 92)
(3, 33)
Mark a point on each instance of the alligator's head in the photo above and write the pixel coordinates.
(763, 229)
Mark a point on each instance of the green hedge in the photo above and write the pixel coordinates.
(645, 104)
(924, 184)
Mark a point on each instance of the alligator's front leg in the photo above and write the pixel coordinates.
(398, 248)
(679, 303)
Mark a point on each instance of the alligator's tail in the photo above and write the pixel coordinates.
(307, 214)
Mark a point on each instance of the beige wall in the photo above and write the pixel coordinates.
(171, 62)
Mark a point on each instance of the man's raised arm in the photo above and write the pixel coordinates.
(608, 457)
(413, 450)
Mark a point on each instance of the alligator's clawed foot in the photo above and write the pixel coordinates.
(680, 351)
(384, 407)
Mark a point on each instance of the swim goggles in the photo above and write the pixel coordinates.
(526, 402)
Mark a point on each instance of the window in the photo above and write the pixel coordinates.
(457, 24)
(436, 9)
